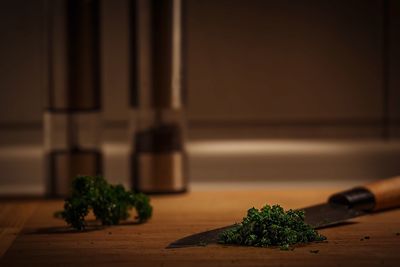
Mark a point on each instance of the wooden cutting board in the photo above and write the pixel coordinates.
(29, 235)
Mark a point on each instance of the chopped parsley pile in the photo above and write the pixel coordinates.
(110, 203)
(271, 226)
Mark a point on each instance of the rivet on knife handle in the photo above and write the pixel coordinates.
(379, 195)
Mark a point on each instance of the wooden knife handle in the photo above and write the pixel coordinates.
(375, 196)
(386, 193)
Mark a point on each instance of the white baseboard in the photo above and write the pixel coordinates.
(288, 160)
(233, 163)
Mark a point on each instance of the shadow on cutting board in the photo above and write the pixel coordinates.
(92, 226)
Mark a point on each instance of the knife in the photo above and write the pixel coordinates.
(342, 206)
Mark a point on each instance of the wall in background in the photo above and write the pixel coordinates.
(22, 68)
(256, 68)
(394, 68)
(285, 60)
(23, 71)
(290, 68)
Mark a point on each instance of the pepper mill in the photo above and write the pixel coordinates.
(158, 160)
(72, 116)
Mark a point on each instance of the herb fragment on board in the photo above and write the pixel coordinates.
(367, 237)
(110, 203)
(314, 251)
(271, 226)
(202, 244)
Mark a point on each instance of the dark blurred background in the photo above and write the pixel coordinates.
(279, 90)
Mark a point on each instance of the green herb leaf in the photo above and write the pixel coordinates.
(110, 203)
(271, 226)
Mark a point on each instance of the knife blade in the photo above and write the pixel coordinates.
(339, 208)
(317, 216)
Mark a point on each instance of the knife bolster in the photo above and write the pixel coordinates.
(358, 198)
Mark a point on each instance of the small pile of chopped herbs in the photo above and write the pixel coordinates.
(269, 227)
(109, 203)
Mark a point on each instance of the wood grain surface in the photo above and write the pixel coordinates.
(29, 235)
